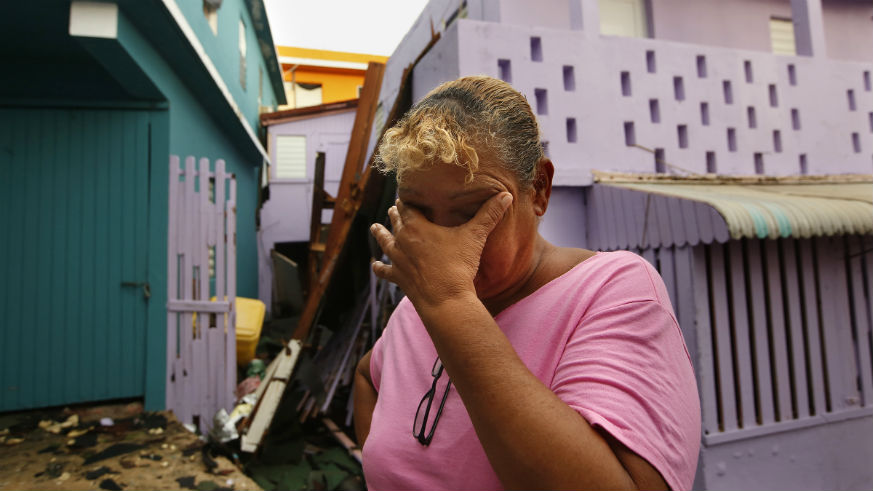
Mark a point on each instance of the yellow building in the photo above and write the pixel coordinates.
(314, 76)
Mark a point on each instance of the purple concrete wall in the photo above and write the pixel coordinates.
(694, 107)
(744, 24)
(285, 216)
(739, 24)
(849, 29)
(565, 223)
(548, 13)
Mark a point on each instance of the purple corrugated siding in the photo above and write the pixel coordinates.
(840, 346)
(722, 343)
(860, 310)
(807, 274)
(795, 328)
(626, 219)
(740, 333)
(779, 335)
(759, 335)
(706, 374)
(778, 345)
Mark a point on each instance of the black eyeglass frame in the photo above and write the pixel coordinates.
(436, 372)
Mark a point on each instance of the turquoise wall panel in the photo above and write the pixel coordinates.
(75, 223)
(194, 131)
(222, 48)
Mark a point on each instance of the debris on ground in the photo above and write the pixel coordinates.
(129, 453)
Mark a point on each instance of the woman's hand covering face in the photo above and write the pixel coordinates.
(432, 263)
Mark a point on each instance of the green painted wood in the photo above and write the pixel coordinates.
(75, 228)
(154, 359)
(5, 239)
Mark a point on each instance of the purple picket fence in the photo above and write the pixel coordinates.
(201, 290)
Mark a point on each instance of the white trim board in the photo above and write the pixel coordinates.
(94, 20)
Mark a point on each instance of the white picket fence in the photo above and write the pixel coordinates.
(201, 264)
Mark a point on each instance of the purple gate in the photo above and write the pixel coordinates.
(201, 265)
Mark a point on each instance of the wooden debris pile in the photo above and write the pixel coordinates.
(346, 306)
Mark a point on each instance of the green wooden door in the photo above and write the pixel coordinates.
(73, 228)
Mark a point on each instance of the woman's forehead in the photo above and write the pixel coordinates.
(450, 181)
(454, 173)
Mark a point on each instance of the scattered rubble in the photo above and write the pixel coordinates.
(71, 450)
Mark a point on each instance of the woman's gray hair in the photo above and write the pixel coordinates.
(455, 119)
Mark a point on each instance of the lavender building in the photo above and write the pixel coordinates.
(731, 144)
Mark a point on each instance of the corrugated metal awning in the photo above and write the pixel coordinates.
(666, 210)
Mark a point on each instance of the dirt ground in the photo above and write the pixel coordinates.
(72, 450)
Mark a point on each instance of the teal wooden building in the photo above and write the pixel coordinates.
(94, 99)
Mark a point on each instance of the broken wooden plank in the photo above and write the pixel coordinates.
(359, 187)
(348, 197)
(269, 394)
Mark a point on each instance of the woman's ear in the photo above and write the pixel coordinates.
(543, 186)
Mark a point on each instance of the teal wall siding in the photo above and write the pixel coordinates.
(187, 129)
(75, 219)
(83, 207)
(193, 131)
(223, 49)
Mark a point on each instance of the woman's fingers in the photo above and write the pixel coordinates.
(382, 270)
(407, 213)
(394, 217)
(490, 214)
(383, 237)
(388, 244)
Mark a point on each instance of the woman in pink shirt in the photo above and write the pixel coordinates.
(512, 363)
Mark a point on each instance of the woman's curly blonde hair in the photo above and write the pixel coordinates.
(457, 121)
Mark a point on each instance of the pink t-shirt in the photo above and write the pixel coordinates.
(602, 337)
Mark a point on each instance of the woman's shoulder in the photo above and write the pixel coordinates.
(624, 273)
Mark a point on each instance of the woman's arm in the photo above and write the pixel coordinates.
(531, 437)
(365, 399)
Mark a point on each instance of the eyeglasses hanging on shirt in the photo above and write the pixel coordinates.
(419, 425)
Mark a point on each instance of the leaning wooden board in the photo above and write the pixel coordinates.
(269, 394)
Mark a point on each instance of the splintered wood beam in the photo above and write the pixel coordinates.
(348, 198)
(315, 244)
(359, 183)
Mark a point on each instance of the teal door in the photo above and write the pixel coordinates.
(74, 218)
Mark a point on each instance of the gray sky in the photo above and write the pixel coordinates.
(359, 26)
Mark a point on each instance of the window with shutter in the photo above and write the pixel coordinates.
(623, 18)
(782, 36)
(290, 157)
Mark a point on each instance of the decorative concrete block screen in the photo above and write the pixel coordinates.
(643, 105)
(201, 264)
